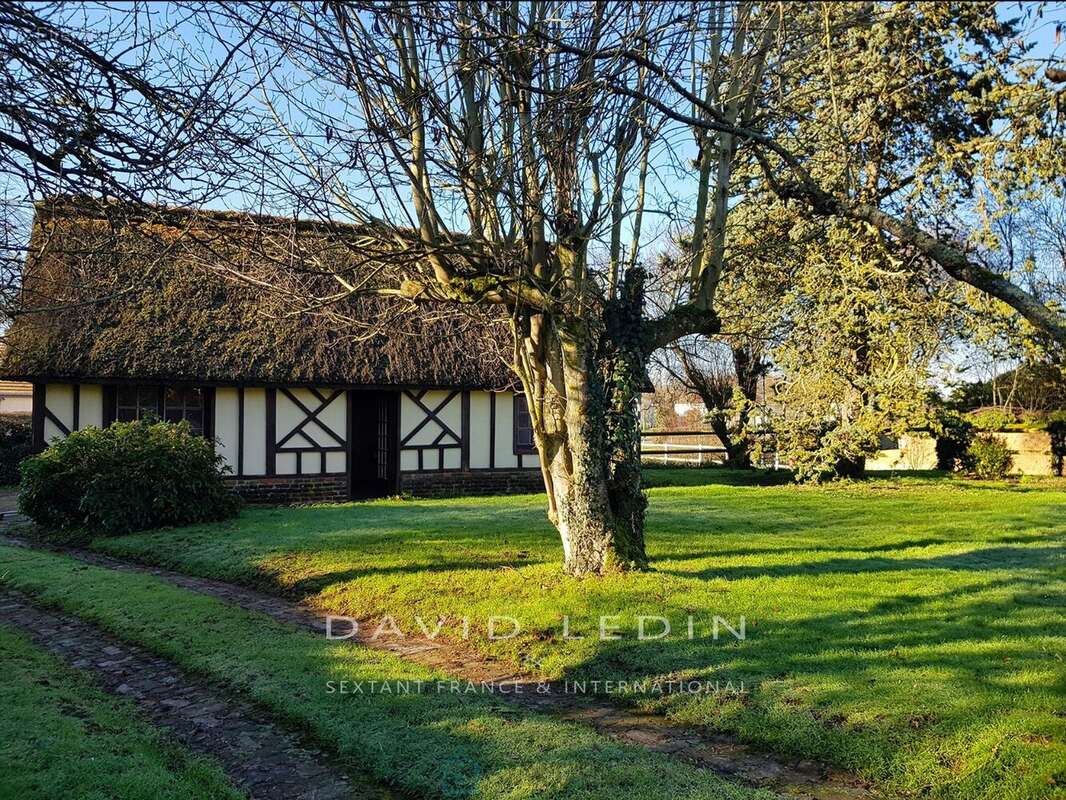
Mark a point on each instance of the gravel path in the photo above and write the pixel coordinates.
(260, 757)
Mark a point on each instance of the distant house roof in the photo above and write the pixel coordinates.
(142, 297)
(16, 389)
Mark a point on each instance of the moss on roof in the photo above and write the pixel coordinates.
(143, 296)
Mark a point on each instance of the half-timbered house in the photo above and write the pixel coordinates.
(128, 319)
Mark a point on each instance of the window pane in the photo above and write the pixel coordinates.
(148, 399)
(126, 414)
(173, 414)
(196, 420)
(127, 396)
(173, 398)
(523, 424)
(194, 398)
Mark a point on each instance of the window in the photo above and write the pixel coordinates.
(136, 402)
(185, 404)
(523, 427)
(154, 402)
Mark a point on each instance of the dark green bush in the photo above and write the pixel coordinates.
(16, 443)
(953, 434)
(1057, 430)
(127, 477)
(988, 457)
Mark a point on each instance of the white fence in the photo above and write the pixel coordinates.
(683, 448)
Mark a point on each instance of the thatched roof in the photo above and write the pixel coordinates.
(137, 296)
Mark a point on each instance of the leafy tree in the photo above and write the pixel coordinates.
(863, 331)
(892, 120)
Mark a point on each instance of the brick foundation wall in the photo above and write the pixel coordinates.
(287, 489)
(455, 483)
(284, 489)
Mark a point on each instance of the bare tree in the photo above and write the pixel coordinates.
(502, 155)
(110, 106)
(725, 375)
(511, 157)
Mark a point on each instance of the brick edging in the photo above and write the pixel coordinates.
(259, 755)
(289, 489)
(285, 489)
(459, 483)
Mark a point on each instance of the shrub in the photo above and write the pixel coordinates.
(16, 443)
(988, 457)
(954, 433)
(1057, 430)
(992, 419)
(129, 476)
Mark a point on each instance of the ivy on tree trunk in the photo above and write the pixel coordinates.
(584, 399)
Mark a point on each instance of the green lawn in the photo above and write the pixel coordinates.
(430, 744)
(910, 629)
(60, 736)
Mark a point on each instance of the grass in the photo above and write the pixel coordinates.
(60, 736)
(909, 629)
(439, 745)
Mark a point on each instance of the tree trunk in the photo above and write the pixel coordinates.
(582, 381)
(601, 524)
(749, 364)
(854, 468)
(735, 442)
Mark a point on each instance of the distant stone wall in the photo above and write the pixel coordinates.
(453, 483)
(916, 451)
(287, 489)
(1031, 451)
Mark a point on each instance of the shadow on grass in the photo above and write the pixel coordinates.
(655, 476)
(892, 691)
(432, 744)
(989, 558)
(903, 544)
(953, 652)
(318, 583)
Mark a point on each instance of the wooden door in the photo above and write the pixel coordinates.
(373, 419)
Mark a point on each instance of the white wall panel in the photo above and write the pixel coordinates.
(317, 426)
(336, 462)
(439, 423)
(90, 406)
(480, 435)
(285, 464)
(408, 460)
(255, 431)
(479, 430)
(505, 457)
(411, 416)
(227, 425)
(58, 399)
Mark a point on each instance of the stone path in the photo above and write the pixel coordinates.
(9, 508)
(259, 757)
(722, 754)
